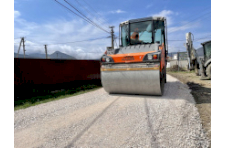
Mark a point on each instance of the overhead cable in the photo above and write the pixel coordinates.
(71, 42)
(86, 16)
(79, 15)
(100, 20)
(79, 41)
(176, 29)
(95, 11)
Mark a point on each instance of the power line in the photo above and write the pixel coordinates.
(79, 15)
(71, 10)
(199, 41)
(71, 42)
(86, 19)
(193, 40)
(80, 41)
(173, 30)
(83, 7)
(176, 40)
(202, 38)
(176, 29)
(85, 16)
(95, 11)
(191, 21)
(88, 11)
(196, 13)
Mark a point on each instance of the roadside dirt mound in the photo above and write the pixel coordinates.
(201, 91)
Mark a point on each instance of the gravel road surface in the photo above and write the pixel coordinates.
(98, 119)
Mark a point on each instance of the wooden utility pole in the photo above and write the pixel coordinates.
(112, 36)
(46, 52)
(19, 47)
(21, 41)
(178, 56)
(23, 48)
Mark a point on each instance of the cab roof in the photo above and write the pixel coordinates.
(143, 19)
(206, 42)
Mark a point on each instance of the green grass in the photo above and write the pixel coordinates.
(22, 104)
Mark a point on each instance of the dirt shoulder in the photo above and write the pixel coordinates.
(201, 91)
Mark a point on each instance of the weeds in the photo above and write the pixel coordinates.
(48, 96)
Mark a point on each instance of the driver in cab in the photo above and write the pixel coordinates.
(135, 37)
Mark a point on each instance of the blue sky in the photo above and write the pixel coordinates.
(46, 22)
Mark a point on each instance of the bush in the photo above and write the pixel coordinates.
(174, 68)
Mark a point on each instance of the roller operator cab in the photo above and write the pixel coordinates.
(138, 66)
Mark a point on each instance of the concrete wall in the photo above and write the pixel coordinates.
(182, 63)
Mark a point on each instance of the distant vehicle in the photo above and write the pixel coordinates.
(200, 59)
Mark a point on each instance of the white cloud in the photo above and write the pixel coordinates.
(118, 11)
(61, 31)
(16, 14)
(176, 39)
(176, 32)
(166, 13)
